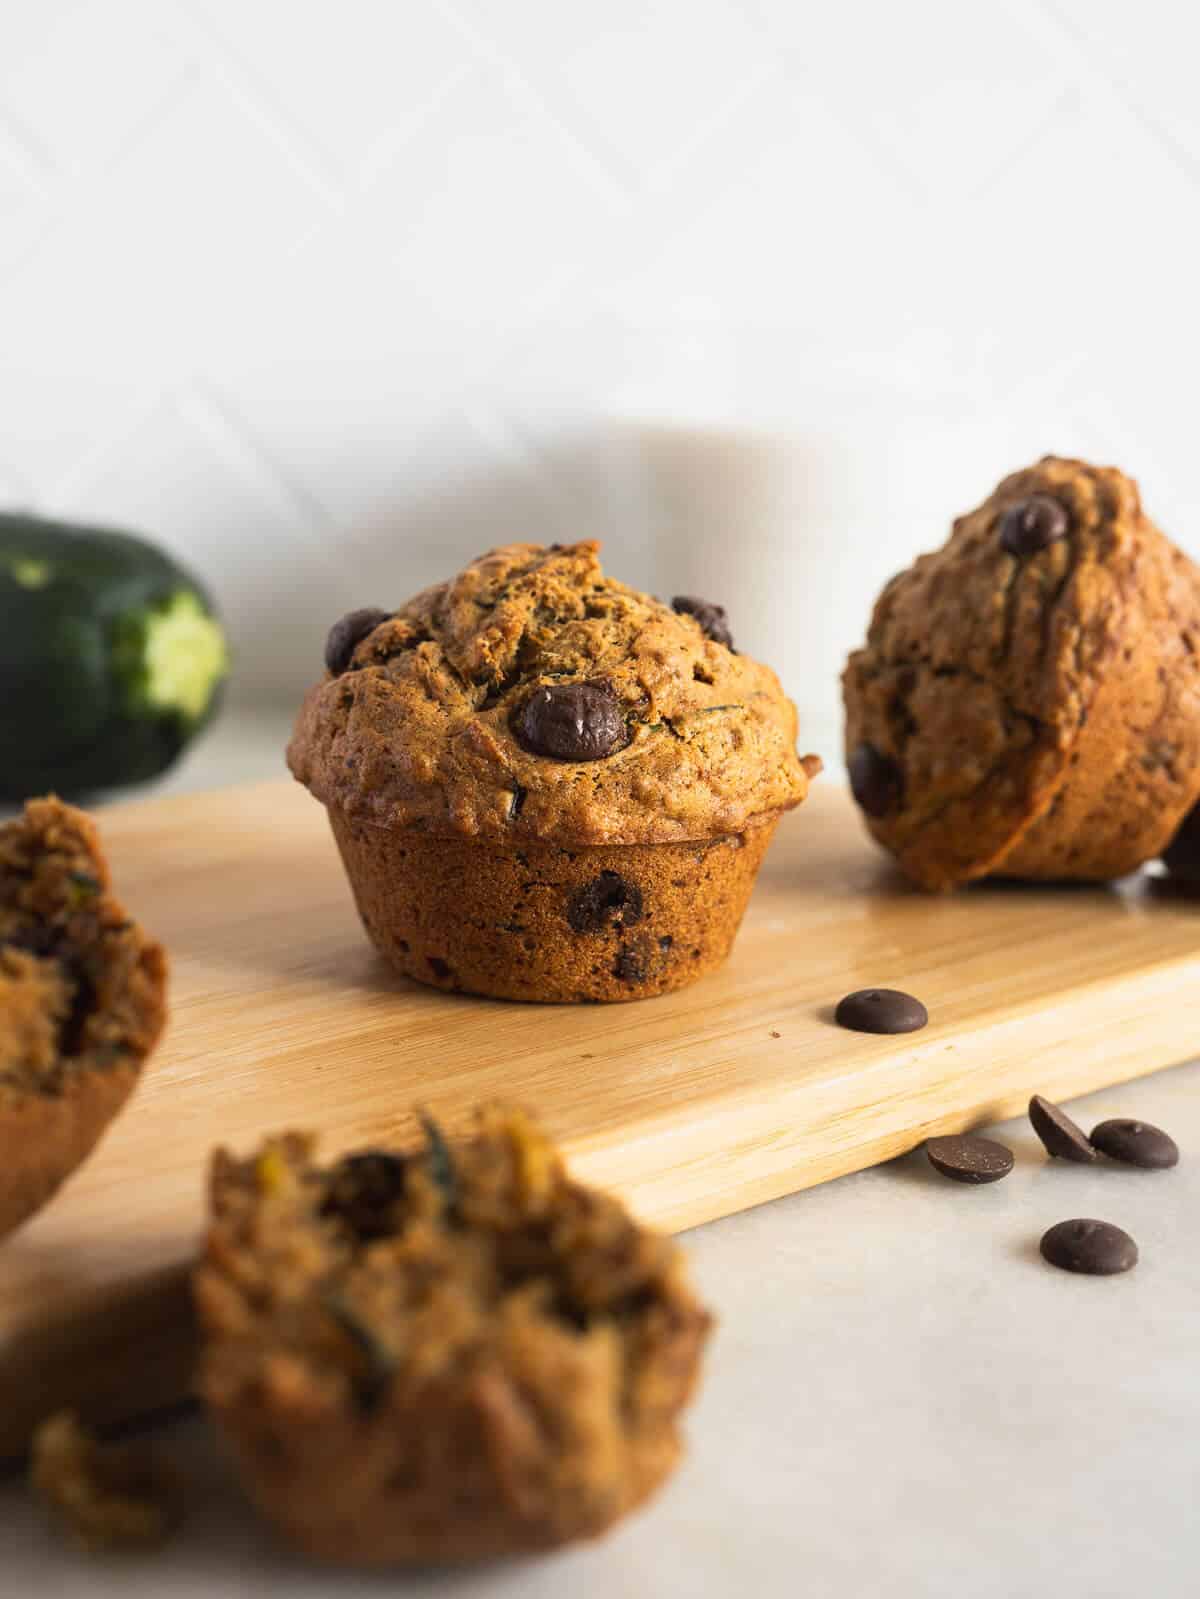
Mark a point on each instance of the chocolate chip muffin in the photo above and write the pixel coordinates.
(444, 1355)
(82, 1002)
(1027, 703)
(544, 785)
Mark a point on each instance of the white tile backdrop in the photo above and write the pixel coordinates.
(330, 294)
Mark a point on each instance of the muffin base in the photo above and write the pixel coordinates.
(546, 924)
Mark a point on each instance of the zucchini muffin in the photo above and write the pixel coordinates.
(1027, 703)
(82, 1002)
(440, 1356)
(544, 785)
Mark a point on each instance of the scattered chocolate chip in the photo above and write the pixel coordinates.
(440, 968)
(1096, 1248)
(881, 1010)
(347, 634)
(1182, 855)
(607, 901)
(1058, 1132)
(968, 1159)
(1136, 1144)
(714, 623)
(1029, 526)
(572, 722)
(362, 1191)
(875, 780)
(516, 799)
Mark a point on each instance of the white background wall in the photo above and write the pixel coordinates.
(330, 294)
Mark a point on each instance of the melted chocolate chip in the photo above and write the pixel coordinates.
(714, 623)
(1095, 1248)
(1029, 526)
(347, 634)
(362, 1191)
(72, 1031)
(607, 901)
(572, 722)
(875, 780)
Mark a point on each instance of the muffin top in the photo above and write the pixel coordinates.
(532, 696)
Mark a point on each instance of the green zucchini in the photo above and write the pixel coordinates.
(112, 658)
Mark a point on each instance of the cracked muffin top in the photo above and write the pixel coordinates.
(1030, 686)
(532, 696)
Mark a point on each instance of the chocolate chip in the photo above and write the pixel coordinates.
(1029, 526)
(572, 722)
(362, 1191)
(347, 634)
(968, 1159)
(1182, 855)
(881, 1010)
(875, 780)
(1058, 1132)
(607, 901)
(714, 623)
(1136, 1144)
(1096, 1248)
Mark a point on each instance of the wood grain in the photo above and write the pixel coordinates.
(692, 1105)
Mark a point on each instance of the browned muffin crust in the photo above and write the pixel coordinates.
(443, 1356)
(1032, 714)
(82, 1002)
(423, 730)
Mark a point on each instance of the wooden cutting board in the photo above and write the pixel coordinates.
(691, 1106)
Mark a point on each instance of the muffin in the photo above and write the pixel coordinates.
(440, 1356)
(82, 1002)
(544, 785)
(1027, 703)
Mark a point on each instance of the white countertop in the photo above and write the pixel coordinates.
(901, 1399)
